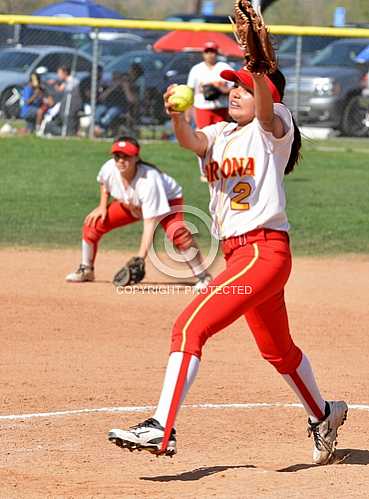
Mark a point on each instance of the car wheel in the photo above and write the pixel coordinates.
(10, 102)
(355, 117)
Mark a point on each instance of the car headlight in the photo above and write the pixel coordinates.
(326, 87)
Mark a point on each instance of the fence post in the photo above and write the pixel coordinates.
(297, 78)
(17, 34)
(94, 79)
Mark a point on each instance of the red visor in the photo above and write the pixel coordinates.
(245, 78)
(125, 147)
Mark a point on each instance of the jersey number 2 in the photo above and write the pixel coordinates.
(243, 191)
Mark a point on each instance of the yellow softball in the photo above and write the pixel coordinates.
(182, 98)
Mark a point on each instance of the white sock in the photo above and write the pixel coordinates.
(87, 253)
(194, 260)
(306, 376)
(170, 380)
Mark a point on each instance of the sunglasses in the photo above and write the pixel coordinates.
(117, 156)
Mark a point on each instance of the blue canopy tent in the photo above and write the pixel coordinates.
(76, 8)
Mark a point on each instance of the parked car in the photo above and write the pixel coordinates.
(161, 69)
(18, 63)
(329, 87)
(151, 62)
(310, 46)
(109, 50)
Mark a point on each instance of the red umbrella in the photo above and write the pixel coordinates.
(180, 41)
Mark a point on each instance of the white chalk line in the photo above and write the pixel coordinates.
(147, 408)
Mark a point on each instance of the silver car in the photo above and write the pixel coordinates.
(329, 87)
(18, 63)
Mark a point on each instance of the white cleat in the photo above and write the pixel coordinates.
(82, 274)
(202, 283)
(325, 432)
(144, 436)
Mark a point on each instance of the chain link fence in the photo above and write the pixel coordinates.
(56, 80)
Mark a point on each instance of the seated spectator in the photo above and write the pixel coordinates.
(134, 93)
(86, 111)
(56, 90)
(64, 83)
(63, 104)
(120, 100)
(110, 104)
(63, 118)
(32, 101)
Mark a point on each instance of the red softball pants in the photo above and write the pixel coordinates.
(258, 265)
(205, 117)
(119, 216)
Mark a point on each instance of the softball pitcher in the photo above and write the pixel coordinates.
(139, 191)
(244, 162)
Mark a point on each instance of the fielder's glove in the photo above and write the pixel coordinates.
(211, 92)
(132, 273)
(253, 37)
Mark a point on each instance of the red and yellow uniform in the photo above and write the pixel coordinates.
(245, 171)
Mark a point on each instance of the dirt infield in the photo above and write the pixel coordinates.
(67, 347)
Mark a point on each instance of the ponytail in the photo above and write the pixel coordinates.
(295, 155)
(279, 81)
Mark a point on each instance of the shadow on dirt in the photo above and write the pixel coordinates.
(342, 456)
(197, 474)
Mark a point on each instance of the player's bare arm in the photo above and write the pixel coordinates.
(149, 226)
(264, 107)
(186, 136)
(101, 210)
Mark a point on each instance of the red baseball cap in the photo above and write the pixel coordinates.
(211, 46)
(245, 78)
(125, 147)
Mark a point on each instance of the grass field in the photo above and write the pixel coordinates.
(48, 186)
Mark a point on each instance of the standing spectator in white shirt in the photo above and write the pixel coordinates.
(210, 90)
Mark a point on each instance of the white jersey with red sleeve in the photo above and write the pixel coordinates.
(245, 172)
(150, 190)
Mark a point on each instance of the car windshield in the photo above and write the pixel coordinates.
(310, 44)
(16, 61)
(112, 48)
(146, 60)
(339, 54)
